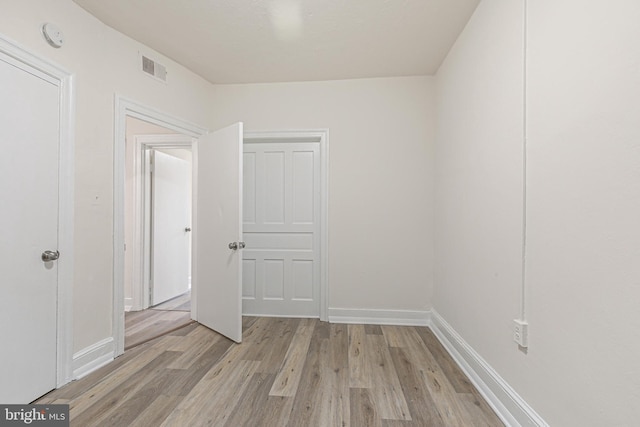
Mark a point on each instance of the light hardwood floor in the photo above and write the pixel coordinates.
(145, 325)
(287, 372)
(179, 303)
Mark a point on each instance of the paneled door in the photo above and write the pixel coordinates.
(29, 133)
(171, 221)
(281, 220)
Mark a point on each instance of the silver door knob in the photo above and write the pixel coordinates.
(187, 229)
(50, 256)
(233, 245)
(241, 245)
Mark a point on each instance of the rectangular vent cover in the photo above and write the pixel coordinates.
(154, 69)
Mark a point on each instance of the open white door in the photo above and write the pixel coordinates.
(217, 267)
(171, 226)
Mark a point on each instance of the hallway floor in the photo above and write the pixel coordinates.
(287, 372)
(142, 326)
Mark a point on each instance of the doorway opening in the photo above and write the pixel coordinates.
(143, 133)
(158, 199)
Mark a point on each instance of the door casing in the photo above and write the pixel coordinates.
(32, 63)
(124, 108)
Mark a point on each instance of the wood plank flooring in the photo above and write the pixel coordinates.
(179, 303)
(287, 372)
(142, 326)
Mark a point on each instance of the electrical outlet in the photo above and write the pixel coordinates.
(521, 332)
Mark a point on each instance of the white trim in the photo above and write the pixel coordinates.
(320, 136)
(140, 252)
(508, 405)
(66, 83)
(93, 357)
(127, 108)
(165, 141)
(380, 317)
(282, 316)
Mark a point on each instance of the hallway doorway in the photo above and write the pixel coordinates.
(157, 264)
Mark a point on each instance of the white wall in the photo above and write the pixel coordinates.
(380, 172)
(582, 275)
(583, 216)
(105, 62)
(479, 179)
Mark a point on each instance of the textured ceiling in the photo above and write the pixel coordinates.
(250, 41)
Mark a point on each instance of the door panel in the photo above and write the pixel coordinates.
(273, 195)
(282, 229)
(171, 217)
(29, 132)
(217, 268)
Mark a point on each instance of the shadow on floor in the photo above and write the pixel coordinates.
(145, 325)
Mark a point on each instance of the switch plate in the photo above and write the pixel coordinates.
(521, 332)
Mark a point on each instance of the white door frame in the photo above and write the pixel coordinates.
(41, 67)
(320, 136)
(143, 143)
(127, 108)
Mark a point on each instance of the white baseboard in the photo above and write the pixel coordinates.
(504, 400)
(284, 316)
(128, 304)
(93, 357)
(379, 317)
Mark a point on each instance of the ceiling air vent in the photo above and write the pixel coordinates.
(154, 69)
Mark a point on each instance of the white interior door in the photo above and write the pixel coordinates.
(171, 227)
(217, 268)
(29, 133)
(281, 262)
